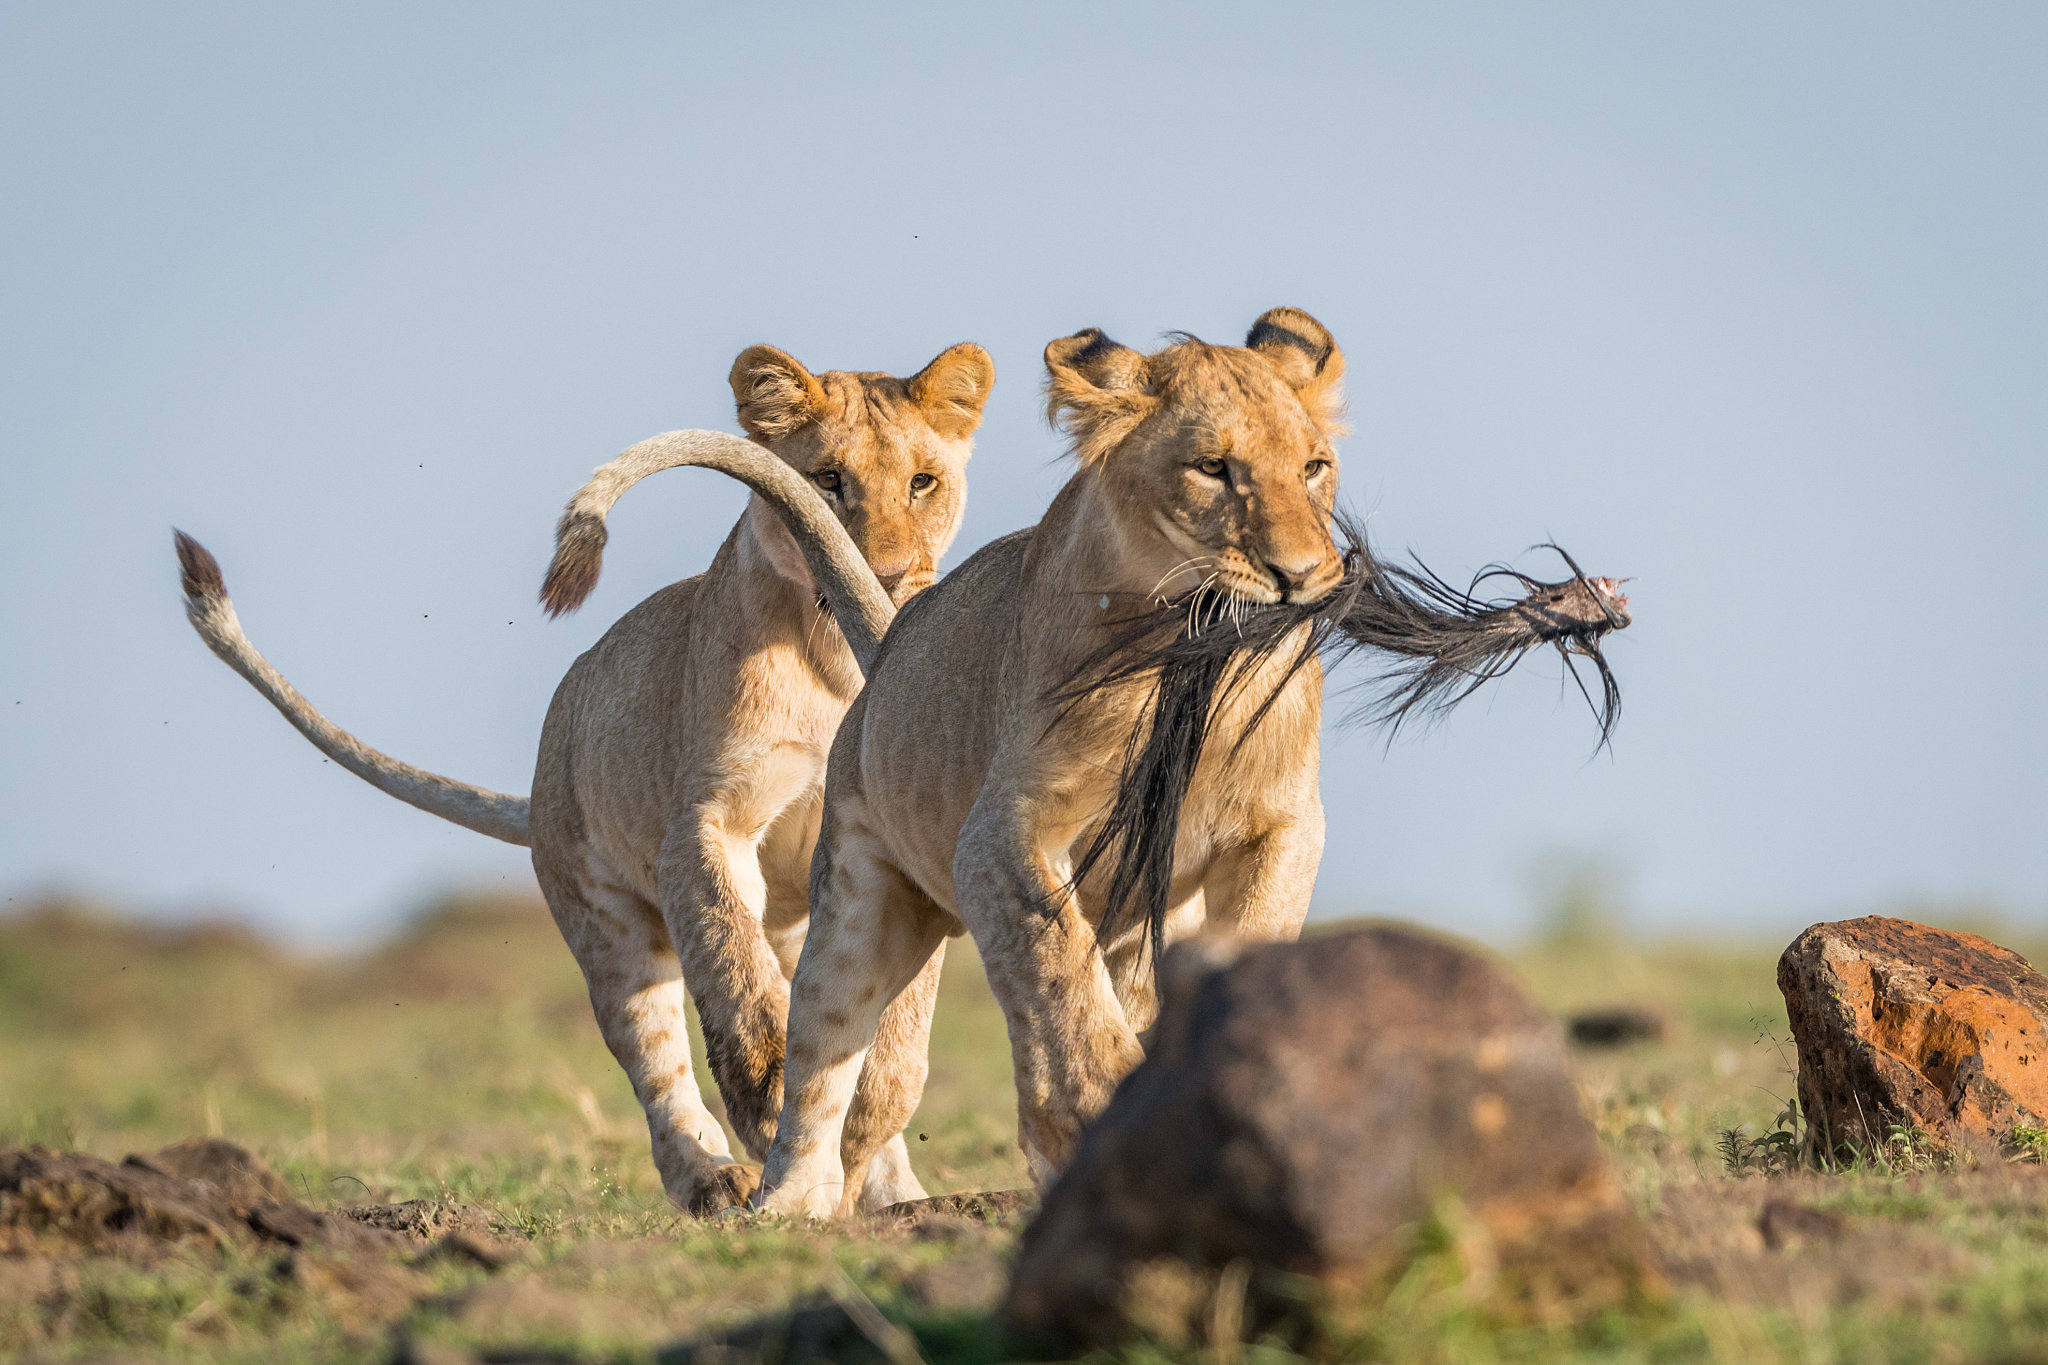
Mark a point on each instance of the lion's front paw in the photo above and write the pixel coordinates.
(721, 1188)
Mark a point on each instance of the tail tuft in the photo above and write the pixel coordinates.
(198, 571)
(579, 556)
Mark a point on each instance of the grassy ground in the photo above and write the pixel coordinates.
(460, 1062)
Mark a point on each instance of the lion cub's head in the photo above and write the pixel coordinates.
(889, 454)
(1217, 459)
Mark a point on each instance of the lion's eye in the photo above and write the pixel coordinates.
(827, 479)
(1315, 467)
(922, 483)
(1213, 467)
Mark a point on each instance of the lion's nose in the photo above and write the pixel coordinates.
(1291, 576)
(891, 573)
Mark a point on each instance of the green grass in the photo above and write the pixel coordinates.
(460, 1062)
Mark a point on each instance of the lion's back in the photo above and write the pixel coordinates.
(930, 714)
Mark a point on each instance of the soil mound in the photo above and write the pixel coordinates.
(207, 1195)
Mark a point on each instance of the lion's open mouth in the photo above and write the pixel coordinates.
(1440, 643)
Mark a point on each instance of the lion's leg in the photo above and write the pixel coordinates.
(713, 897)
(1131, 967)
(891, 1084)
(871, 936)
(1069, 1041)
(636, 990)
(1260, 890)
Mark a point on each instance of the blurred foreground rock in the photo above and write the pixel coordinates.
(1307, 1110)
(1903, 1027)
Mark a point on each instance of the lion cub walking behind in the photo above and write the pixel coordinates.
(676, 797)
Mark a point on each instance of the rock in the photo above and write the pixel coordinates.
(1900, 1026)
(1303, 1108)
(1615, 1027)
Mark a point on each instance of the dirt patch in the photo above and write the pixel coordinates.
(219, 1170)
(53, 1203)
(63, 1211)
(819, 1332)
(1785, 1243)
(422, 1219)
(976, 1206)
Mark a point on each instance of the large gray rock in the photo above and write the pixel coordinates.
(1303, 1108)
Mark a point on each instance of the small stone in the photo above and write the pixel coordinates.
(1615, 1027)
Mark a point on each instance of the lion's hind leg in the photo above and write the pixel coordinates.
(636, 989)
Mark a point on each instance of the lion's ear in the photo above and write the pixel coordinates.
(775, 393)
(952, 389)
(1306, 357)
(1097, 389)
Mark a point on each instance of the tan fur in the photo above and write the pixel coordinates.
(676, 795)
(675, 802)
(953, 800)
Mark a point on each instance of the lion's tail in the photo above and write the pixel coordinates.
(213, 616)
(858, 602)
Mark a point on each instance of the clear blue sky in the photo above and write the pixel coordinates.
(1745, 300)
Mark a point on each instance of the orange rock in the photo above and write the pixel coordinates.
(1900, 1025)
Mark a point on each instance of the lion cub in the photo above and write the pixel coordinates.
(676, 797)
(969, 776)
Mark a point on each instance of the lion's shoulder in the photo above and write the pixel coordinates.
(979, 596)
